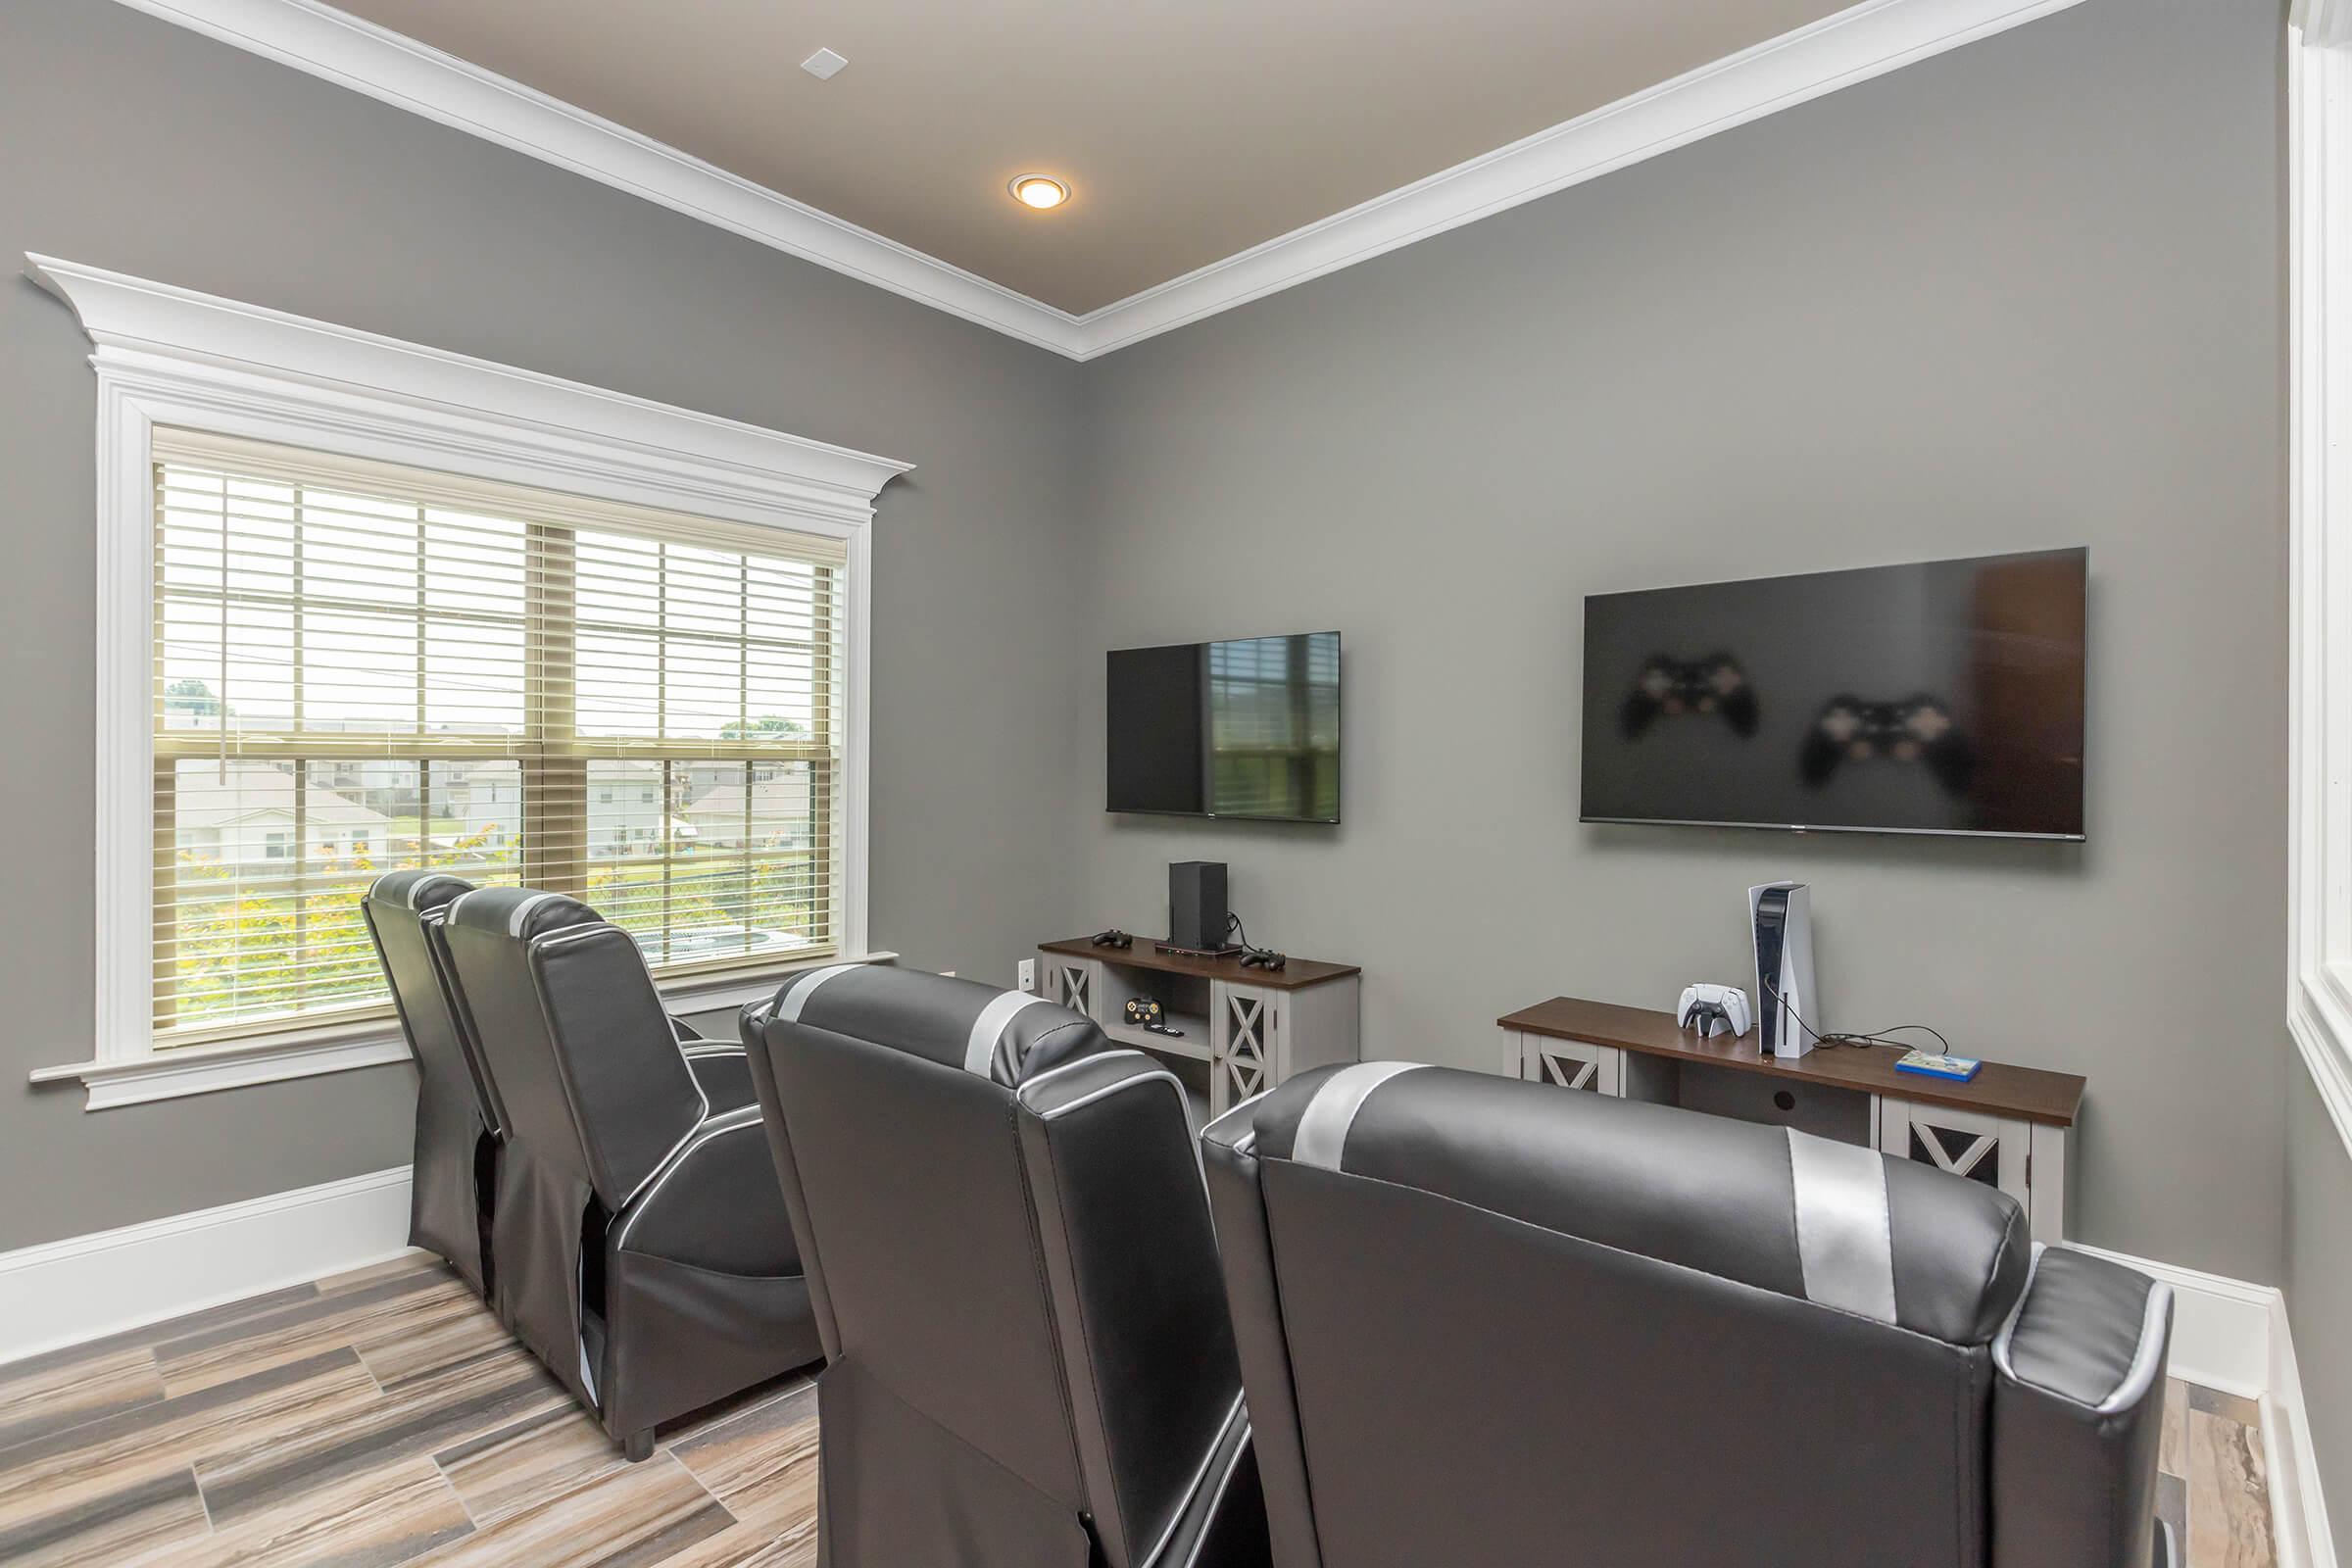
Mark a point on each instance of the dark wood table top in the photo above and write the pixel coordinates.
(2000, 1090)
(1297, 974)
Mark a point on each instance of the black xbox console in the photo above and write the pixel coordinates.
(1198, 920)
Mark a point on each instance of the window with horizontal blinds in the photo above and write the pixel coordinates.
(362, 668)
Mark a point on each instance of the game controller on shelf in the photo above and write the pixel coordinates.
(1145, 1013)
(1113, 938)
(1670, 688)
(1918, 729)
(1264, 959)
(1713, 1011)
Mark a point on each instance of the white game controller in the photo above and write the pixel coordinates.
(1713, 1011)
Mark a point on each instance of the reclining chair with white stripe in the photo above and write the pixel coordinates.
(459, 1126)
(643, 1250)
(1009, 1247)
(1490, 1321)
(455, 1170)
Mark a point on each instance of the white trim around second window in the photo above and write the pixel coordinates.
(2320, 555)
(167, 356)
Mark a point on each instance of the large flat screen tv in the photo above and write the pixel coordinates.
(1940, 698)
(1248, 728)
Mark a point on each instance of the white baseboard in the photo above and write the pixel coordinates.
(2227, 1334)
(2233, 1336)
(87, 1287)
(2298, 1509)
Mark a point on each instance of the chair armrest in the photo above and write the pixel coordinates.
(724, 1073)
(1246, 1257)
(1223, 1522)
(686, 1033)
(2077, 1416)
(713, 1205)
(1154, 1391)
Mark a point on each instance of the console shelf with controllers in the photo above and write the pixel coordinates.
(1239, 1029)
(2008, 1127)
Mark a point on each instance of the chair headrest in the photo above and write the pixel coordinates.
(419, 891)
(1006, 1037)
(1835, 1223)
(520, 913)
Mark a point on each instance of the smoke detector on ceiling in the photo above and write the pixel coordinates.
(823, 64)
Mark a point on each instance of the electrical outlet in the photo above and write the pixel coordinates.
(1028, 980)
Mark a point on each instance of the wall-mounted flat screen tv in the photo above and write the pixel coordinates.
(1246, 729)
(1940, 698)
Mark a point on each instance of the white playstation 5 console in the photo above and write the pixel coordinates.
(1788, 1012)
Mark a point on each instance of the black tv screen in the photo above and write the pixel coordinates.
(1246, 729)
(1940, 698)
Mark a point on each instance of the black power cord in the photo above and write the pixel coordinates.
(1880, 1037)
(1234, 926)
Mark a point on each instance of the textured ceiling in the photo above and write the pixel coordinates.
(1188, 132)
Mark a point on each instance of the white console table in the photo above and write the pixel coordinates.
(1239, 1030)
(2008, 1127)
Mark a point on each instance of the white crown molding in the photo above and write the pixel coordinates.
(1840, 51)
(155, 333)
(1853, 46)
(87, 1287)
(386, 66)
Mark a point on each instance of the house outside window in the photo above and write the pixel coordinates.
(377, 668)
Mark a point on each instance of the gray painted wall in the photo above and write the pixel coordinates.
(132, 144)
(2027, 294)
(2319, 1283)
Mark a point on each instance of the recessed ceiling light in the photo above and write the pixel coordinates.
(1039, 191)
(823, 64)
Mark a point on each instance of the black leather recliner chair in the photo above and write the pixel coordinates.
(457, 1120)
(642, 1247)
(1485, 1321)
(1009, 1247)
(458, 1124)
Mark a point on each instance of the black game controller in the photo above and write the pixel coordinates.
(1264, 959)
(1917, 729)
(1113, 938)
(1669, 688)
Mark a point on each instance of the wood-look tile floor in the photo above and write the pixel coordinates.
(383, 1418)
(372, 1420)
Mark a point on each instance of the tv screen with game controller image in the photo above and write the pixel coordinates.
(1946, 697)
(1244, 728)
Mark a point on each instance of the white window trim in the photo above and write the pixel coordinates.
(171, 357)
(2320, 548)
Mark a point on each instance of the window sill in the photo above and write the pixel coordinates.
(710, 993)
(236, 1064)
(240, 1064)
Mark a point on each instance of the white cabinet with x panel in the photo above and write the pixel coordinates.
(1225, 1030)
(2008, 1128)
